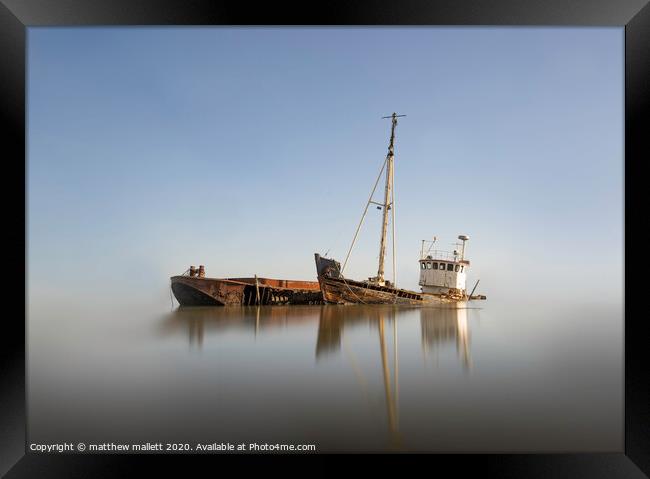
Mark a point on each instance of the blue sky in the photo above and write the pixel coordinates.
(249, 149)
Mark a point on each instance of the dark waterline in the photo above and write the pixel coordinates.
(345, 378)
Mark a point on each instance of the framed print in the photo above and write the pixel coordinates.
(389, 232)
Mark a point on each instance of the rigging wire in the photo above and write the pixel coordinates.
(364, 215)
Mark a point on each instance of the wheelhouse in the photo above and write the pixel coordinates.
(442, 271)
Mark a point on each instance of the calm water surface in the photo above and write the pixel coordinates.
(490, 377)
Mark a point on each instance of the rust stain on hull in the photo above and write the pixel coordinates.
(201, 291)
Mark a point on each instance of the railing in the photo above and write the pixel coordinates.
(438, 254)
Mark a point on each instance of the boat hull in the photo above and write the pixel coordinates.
(339, 290)
(345, 291)
(198, 291)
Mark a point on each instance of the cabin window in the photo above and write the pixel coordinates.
(435, 265)
(457, 268)
(442, 266)
(422, 265)
(462, 268)
(450, 267)
(428, 264)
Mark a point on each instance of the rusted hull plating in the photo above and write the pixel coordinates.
(196, 291)
(345, 291)
(339, 290)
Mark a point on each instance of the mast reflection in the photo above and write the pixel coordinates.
(390, 392)
(334, 319)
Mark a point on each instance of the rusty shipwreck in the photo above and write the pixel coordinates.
(193, 288)
(442, 273)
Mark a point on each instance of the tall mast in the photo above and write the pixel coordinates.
(387, 198)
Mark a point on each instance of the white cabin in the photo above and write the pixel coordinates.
(442, 271)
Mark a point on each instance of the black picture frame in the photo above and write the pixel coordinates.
(17, 15)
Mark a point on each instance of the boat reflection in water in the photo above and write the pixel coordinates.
(333, 319)
(255, 319)
(438, 326)
(446, 325)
